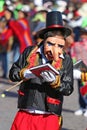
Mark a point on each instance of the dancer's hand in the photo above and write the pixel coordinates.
(28, 74)
(76, 74)
(48, 76)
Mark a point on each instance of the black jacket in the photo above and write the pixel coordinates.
(33, 93)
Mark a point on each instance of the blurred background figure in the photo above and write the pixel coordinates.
(76, 23)
(83, 12)
(38, 21)
(6, 43)
(24, 25)
(9, 15)
(79, 52)
(20, 27)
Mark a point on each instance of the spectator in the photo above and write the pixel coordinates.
(24, 27)
(21, 29)
(76, 23)
(39, 20)
(80, 50)
(9, 15)
(6, 43)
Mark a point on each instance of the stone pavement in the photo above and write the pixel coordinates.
(8, 108)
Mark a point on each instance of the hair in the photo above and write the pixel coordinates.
(11, 12)
(54, 33)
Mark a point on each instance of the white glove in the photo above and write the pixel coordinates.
(48, 76)
(28, 74)
(76, 74)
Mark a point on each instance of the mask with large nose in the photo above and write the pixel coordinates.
(53, 48)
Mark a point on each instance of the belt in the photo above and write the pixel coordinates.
(32, 111)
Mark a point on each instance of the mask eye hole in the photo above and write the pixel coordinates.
(60, 46)
(50, 43)
(53, 44)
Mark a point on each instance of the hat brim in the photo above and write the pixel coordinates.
(66, 31)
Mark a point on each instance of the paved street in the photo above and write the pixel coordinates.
(8, 108)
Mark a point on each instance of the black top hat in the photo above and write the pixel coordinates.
(54, 21)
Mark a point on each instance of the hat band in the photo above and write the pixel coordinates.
(55, 26)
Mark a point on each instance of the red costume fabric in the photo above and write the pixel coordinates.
(22, 31)
(83, 90)
(25, 26)
(4, 37)
(30, 121)
(1, 13)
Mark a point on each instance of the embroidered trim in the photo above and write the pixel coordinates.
(84, 76)
(21, 73)
(57, 65)
(33, 57)
(20, 92)
(53, 101)
(56, 83)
